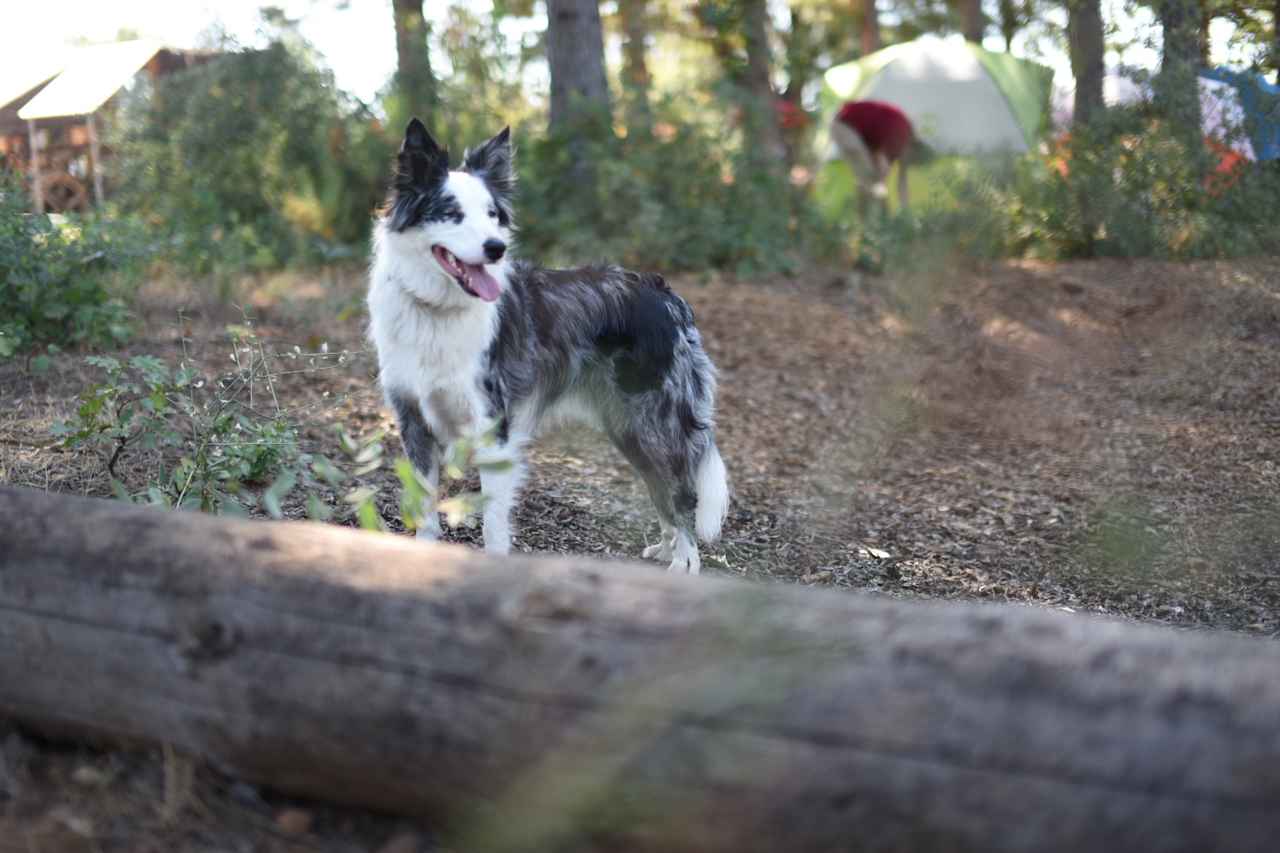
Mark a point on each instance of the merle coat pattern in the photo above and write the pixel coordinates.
(468, 338)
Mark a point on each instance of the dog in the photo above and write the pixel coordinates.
(470, 340)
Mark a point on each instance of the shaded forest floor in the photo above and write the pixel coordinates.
(1099, 436)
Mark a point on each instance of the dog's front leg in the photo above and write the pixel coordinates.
(500, 483)
(423, 451)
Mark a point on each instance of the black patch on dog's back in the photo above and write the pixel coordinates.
(641, 330)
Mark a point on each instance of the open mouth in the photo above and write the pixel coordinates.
(473, 278)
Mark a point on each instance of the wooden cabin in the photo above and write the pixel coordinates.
(51, 116)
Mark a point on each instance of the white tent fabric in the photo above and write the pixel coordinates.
(92, 75)
(949, 97)
(1222, 114)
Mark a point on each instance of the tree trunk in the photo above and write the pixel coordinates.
(870, 32)
(636, 81)
(566, 704)
(973, 24)
(1176, 89)
(764, 137)
(1275, 38)
(415, 84)
(1087, 45)
(575, 54)
(1206, 20)
(1011, 18)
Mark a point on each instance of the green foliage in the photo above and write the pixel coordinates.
(680, 198)
(200, 441)
(60, 284)
(252, 161)
(1127, 186)
(223, 445)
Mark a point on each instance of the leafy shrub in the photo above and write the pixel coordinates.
(680, 198)
(252, 161)
(202, 443)
(1126, 186)
(60, 284)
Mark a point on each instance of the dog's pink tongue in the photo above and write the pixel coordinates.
(484, 285)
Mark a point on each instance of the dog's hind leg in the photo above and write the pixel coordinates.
(423, 451)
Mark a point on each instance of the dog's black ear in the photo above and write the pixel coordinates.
(492, 163)
(422, 160)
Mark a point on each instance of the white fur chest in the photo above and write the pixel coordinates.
(433, 354)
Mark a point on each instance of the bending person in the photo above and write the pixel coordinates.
(872, 136)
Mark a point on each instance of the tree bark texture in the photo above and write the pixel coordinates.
(575, 54)
(1086, 42)
(764, 134)
(565, 704)
(634, 19)
(1275, 37)
(1177, 91)
(870, 30)
(973, 23)
(414, 79)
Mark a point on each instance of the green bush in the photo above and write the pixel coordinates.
(252, 161)
(680, 198)
(186, 438)
(1126, 186)
(60, 283)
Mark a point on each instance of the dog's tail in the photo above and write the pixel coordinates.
(713, 495)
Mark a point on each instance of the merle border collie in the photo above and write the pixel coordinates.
(470, 341)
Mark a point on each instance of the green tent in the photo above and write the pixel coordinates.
(961, 98)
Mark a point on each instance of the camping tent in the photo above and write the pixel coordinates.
(961, 98)
(1258, 105)
(1230, 101)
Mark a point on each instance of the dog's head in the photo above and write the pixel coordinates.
(462, 218)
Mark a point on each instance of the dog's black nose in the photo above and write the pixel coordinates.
(494, 249)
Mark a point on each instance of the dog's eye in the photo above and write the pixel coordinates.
(493, 213)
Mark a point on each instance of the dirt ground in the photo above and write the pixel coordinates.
(1100, 436)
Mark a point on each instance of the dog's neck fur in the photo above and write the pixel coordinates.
(425, 326)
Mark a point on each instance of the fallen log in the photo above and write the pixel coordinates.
(565, 704)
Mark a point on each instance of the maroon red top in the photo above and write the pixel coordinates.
(882, 126)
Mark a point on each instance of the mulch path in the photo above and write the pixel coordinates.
(1099, 436)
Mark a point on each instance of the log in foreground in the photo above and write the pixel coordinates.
(563, 704)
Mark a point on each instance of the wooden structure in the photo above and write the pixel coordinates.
(566, 704)
(51, 120)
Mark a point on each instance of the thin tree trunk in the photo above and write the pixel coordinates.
(1010, 22)
(1086, 40)
(1177, 91)
(1087, 46)
(973, 24)
(1275, 38)
(567, 704)
(414, 82)
(636, 81)
(575, 54)
(764, 135)
(1206, 19)
(870, 32)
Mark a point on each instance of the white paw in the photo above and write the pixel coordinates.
(660, 552)
(686, 565)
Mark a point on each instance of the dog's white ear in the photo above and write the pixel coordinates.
(492, 162)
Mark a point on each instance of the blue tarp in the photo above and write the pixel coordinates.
(1260, 101)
